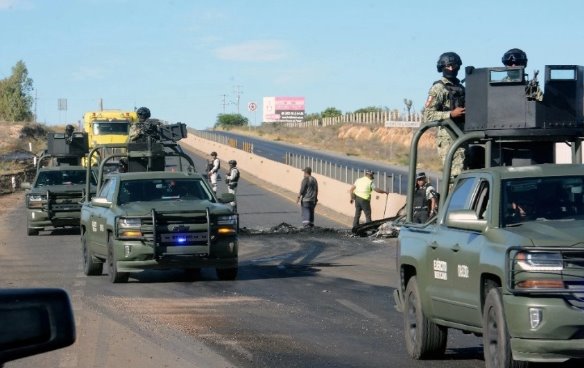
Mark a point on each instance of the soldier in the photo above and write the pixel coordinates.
(143, 127)
(213, 170)
(517, 57)
(232, 179)
(446, 101)
(425, 199)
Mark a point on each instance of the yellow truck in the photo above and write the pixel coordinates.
(108, 126)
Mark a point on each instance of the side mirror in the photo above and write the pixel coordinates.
(466, 220)
(227, 197)
(34, 321)
(101, 202)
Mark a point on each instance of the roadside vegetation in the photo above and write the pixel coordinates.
(374, 142)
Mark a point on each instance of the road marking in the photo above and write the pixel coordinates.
(357, 309)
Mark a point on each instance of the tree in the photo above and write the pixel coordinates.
(16, 95)
(331, 112)
(368, 109)
(227, 121)
(313, 116)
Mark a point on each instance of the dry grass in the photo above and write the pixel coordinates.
(391, 145)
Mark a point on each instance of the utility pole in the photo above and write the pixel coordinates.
(238, 93)
(224, 102)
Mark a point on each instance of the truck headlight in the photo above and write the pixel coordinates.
(227, 220)
(226, 225)
(540, 261)
(36, 200)
(539, 270)
(129, 227)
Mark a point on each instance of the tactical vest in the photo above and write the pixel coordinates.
(420, 198)
(456, 94)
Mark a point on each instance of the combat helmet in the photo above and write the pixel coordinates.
(143, 113)
(515, 57)
(448, 58)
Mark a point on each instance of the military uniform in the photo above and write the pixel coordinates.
(422, 195)
(442, 98)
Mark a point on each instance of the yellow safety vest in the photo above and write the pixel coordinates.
(363, 188)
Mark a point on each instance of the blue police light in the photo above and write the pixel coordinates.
(181, 239)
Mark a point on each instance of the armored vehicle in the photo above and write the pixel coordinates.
(145, 217)
(55, 195)
(504, 256)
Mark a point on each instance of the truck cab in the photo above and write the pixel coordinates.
(503, 257)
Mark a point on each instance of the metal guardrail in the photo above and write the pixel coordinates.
(387, 181)
(345, 174)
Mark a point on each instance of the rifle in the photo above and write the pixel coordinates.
(532, 90)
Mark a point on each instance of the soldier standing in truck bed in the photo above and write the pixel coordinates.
(446, 101)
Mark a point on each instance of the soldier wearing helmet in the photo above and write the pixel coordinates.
(145, 126)
(213, 170)
(361, 194)
(232, 179)
(446, 101)
(517, 57)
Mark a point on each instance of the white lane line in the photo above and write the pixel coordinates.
(357, 309)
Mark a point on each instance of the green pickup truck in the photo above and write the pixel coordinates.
(504, 256)
(150, 218)
(54, 197)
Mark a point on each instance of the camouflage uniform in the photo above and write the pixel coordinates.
(437, 108)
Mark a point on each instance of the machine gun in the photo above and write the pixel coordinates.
(532, 90)
(155, 131)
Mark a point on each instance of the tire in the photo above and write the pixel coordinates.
(424, 338)
(496, 341)
(90, 267)
(115, 276)
(32, 232)
(226, 274)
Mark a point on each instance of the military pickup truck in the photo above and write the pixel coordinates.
(504, 256)
(54, 197)
(145, 217)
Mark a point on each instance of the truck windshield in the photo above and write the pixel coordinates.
(540, 199)
(110, 127)
(62, 177)
(148, 190)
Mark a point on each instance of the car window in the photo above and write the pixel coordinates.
(461, 194)
(107, 189)
(162, 190)
(62, 177)
(549, 198)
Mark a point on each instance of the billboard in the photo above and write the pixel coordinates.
(283, 109)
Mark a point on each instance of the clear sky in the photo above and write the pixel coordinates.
(184, 58)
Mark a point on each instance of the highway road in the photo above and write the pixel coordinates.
(396, 177)
(313, 298)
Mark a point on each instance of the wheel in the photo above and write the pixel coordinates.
(496, 342)
(112, 266)
(226, 273)
(90, 267)
(192, 274)
(424, 338)
(32, 232)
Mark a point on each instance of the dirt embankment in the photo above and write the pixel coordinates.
(391, 145)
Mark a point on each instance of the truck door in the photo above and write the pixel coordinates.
(465, 254)
(446, 249)
(98, 226)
